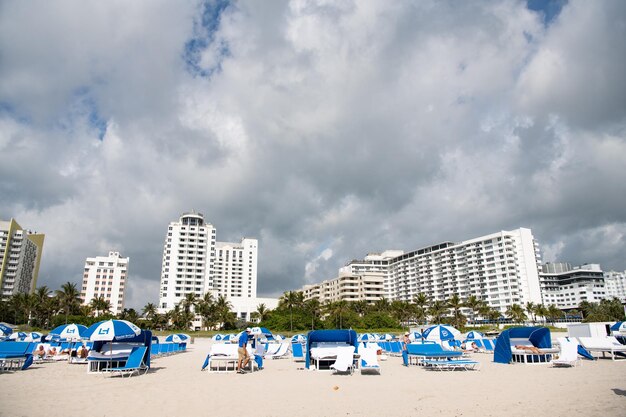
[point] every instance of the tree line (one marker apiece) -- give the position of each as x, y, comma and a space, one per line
46, 309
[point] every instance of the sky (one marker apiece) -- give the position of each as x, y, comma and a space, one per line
325, 129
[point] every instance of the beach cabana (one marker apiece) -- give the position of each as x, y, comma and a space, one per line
538, 337
336, 337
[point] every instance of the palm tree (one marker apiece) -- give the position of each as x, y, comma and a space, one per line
262, 312
541, 311
223, 313
516, 312
382, 305
401, 311
421, 302
189, 302
473, 303
360, 307
455, 303
337, 309
42, 305
100, 304
129, 314
207, 309
438, 310
69, 298
149, 311
289, 300
553, 313
531, 308
314, 308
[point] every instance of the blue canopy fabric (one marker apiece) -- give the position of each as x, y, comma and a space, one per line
6, 330
339, 336
538, 336
620, 326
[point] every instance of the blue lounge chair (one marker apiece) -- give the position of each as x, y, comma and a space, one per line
135, 363
422, 352
450, 364
297, 352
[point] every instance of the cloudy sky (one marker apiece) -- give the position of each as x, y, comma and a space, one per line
326, 129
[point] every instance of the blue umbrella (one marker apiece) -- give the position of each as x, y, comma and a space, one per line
177, 338
298, 338
441, 332
69, 331
413, 336
4, 329
620, 326
112, 330
366, 337
473, 335
18, 336
218, 337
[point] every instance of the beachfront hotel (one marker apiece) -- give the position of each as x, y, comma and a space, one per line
106, 276
20, 256
615, 283
566, 286
194, 262
500, 268
347, 287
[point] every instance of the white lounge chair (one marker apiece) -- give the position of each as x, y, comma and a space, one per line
369, 360
569, 353
345, 360
282, 352
604, 345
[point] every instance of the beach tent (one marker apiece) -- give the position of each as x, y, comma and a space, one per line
440, 332
538, 336
337, 336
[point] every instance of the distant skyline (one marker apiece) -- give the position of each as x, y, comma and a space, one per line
326, 130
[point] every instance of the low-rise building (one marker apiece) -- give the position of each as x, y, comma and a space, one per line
347, 287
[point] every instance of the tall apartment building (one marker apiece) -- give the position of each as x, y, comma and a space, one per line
501, 269
106, 276
615, 284
195, 262
188, 259
20, 254
347, 288
566, 286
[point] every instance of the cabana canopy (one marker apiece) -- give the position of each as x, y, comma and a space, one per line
329, 336
538, 336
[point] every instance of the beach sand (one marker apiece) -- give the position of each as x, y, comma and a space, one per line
175, 386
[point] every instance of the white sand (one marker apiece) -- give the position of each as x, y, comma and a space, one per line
176, 387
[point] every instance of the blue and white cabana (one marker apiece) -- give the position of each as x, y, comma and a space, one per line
320, 336
112, 330
69, 331
539, 337
441, 332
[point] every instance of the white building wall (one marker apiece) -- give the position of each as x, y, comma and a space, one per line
106, 276
615, 283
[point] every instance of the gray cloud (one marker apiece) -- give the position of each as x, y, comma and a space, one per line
325, 130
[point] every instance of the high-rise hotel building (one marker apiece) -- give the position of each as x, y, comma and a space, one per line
20, 256
106, 276
195, 262
501, 269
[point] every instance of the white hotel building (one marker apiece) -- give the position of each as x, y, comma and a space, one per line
106, 276
195, 262
501, 269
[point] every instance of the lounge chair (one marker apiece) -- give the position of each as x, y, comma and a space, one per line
282, 351
297, 352
135, 363
420, 352
608, 344
451, 364
345, 360
569, 353
369, 360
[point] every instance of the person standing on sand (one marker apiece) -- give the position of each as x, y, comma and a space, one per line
242, 351
405, 352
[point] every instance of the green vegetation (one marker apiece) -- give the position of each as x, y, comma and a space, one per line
44, 309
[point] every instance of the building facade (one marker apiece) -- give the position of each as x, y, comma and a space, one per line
20, 257
347, 287
501, 269
195, 262
615, 284
106, 276
566, 286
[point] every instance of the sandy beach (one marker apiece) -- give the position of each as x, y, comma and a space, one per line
175, 386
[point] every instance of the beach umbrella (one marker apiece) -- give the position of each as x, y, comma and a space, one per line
21, 336
366, 337
218, 337
178, 338
5, 330
413, 336
260, 331
112, 330
441, 332
620, 326
473, 335
298, 338
70, 331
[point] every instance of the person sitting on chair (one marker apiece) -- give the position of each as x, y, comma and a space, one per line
52, 351
40, 352
531, 349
